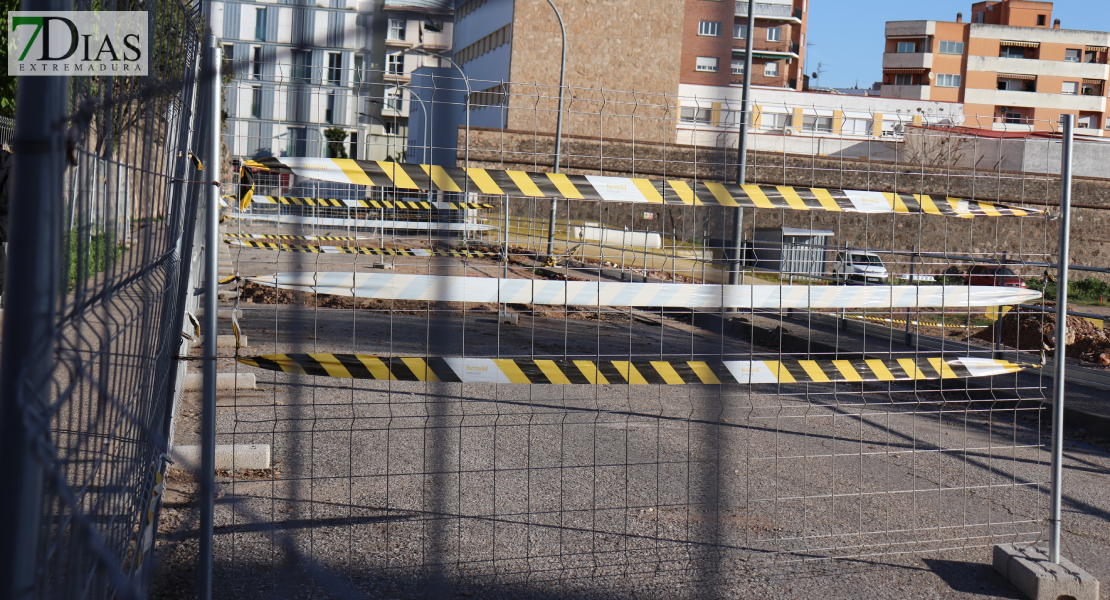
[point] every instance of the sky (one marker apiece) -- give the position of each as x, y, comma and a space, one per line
848, 42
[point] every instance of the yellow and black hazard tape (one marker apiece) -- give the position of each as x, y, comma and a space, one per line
903, 322
634, 372
627, 189
321, 238
357, 250
362, 203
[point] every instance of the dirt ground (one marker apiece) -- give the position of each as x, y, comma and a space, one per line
1037, 331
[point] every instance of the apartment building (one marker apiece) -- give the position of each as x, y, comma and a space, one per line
1012, 66
299, 74
714, 42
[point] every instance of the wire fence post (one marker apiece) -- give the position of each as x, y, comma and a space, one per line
558, 125
211, 73
1059, 368
27, 364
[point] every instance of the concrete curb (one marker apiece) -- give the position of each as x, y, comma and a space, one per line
228, 456
228, 341
224, 381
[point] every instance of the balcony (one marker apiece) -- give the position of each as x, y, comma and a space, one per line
767, 10
908, 60
1025, 66
908, 92
774, 50
1072, 102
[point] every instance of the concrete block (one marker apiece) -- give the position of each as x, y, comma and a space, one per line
507, 318
227, 294
382, 265
228, 456
224, 381
228, 341
222, 313
1028, 569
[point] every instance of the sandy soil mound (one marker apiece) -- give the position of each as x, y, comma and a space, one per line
1035, 331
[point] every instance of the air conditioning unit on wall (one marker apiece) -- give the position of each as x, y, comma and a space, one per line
789, 130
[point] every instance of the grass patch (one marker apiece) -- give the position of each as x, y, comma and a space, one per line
1088, 292
95, 254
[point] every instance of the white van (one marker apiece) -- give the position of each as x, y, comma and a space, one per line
860, 267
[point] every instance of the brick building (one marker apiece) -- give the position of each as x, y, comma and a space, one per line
714, 41
1012, 67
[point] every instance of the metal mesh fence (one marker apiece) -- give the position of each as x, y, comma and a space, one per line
101, 428
449, 406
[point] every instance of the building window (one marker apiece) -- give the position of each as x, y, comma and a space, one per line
227, 65
690, 114
256, 102
712, 28
1071, 55
1107, 123
946, 80
358, 69
390, 128
396, 29
737, 66
335, 68
296, 145
1092, 89
260, 24
947, 47
980, 17
856, 127
907, 47
1085, 122
302, 61
774, 34
817, 124
393, 99
354, 145
329, 109
395, 63
774, 120
771, 69
489, 43
1042, 20
1012, 52
740, 32
1012, 118
1071, 88
707, 64
1090, 57
905, 79
256, 62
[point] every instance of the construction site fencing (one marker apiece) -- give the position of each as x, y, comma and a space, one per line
475, 372
91, 364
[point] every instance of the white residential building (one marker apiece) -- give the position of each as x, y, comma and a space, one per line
300, 70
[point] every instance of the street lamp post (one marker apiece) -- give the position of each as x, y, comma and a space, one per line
558, 125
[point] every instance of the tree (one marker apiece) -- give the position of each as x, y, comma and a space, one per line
336, 136
7, 82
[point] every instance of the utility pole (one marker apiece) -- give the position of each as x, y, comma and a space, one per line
742, 151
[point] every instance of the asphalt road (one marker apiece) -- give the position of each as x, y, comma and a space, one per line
427, 490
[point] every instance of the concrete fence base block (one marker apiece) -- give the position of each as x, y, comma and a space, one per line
507, 318
228, 341
381, 265
222, 313
224, 381
227, 294
1028, 569
228, 456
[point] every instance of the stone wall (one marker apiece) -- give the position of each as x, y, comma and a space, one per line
611, 45
1033, 237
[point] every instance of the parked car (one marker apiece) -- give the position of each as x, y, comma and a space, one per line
861, 267
993, 275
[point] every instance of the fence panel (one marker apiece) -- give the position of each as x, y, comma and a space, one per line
449, 407
103, 437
